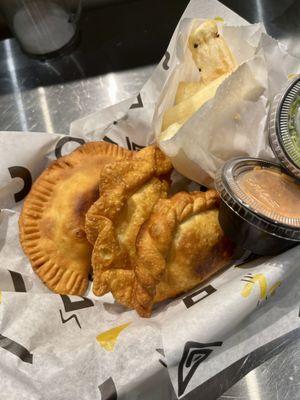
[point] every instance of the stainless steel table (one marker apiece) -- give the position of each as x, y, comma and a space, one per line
28, 103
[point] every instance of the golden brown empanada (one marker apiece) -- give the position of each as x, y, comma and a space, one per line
129, 190
52, 220
179, 246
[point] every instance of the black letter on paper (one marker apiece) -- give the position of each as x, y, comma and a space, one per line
63, 141
190, 300
23, 173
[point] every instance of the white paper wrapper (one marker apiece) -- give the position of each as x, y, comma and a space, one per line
55, 347
234, 122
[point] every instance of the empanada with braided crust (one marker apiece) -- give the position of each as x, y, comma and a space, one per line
179, 246
52, 220
129, 190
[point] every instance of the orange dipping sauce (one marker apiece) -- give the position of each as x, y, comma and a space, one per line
272, 192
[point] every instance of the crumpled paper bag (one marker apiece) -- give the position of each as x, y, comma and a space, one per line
234, 122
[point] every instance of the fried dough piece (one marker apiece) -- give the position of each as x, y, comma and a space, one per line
179, 246
169, 132
181, 112
215, 61
210, 52
129, 190
186, 90
52, 220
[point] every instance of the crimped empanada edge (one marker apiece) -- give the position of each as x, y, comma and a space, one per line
34, 205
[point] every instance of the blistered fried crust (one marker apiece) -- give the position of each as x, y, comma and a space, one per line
52, 220
179, 246
210, 52
129, 190
119, 181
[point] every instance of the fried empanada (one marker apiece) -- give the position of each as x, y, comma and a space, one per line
129, 190
52, 220
179, 246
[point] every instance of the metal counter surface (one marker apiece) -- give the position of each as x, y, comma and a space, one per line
27, 103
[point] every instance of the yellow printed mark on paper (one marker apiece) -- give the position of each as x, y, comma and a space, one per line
292, 76
261, 280
274, 287
108, 339
219, 19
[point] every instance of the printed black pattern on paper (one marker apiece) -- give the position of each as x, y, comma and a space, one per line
25, 175
161, 352
74, 305
194, 354
133, 146
138, 104
18, 281
60, 144
73, 316
16, 349
166, 61
193, 298
108, 390
108, 140
137, 147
